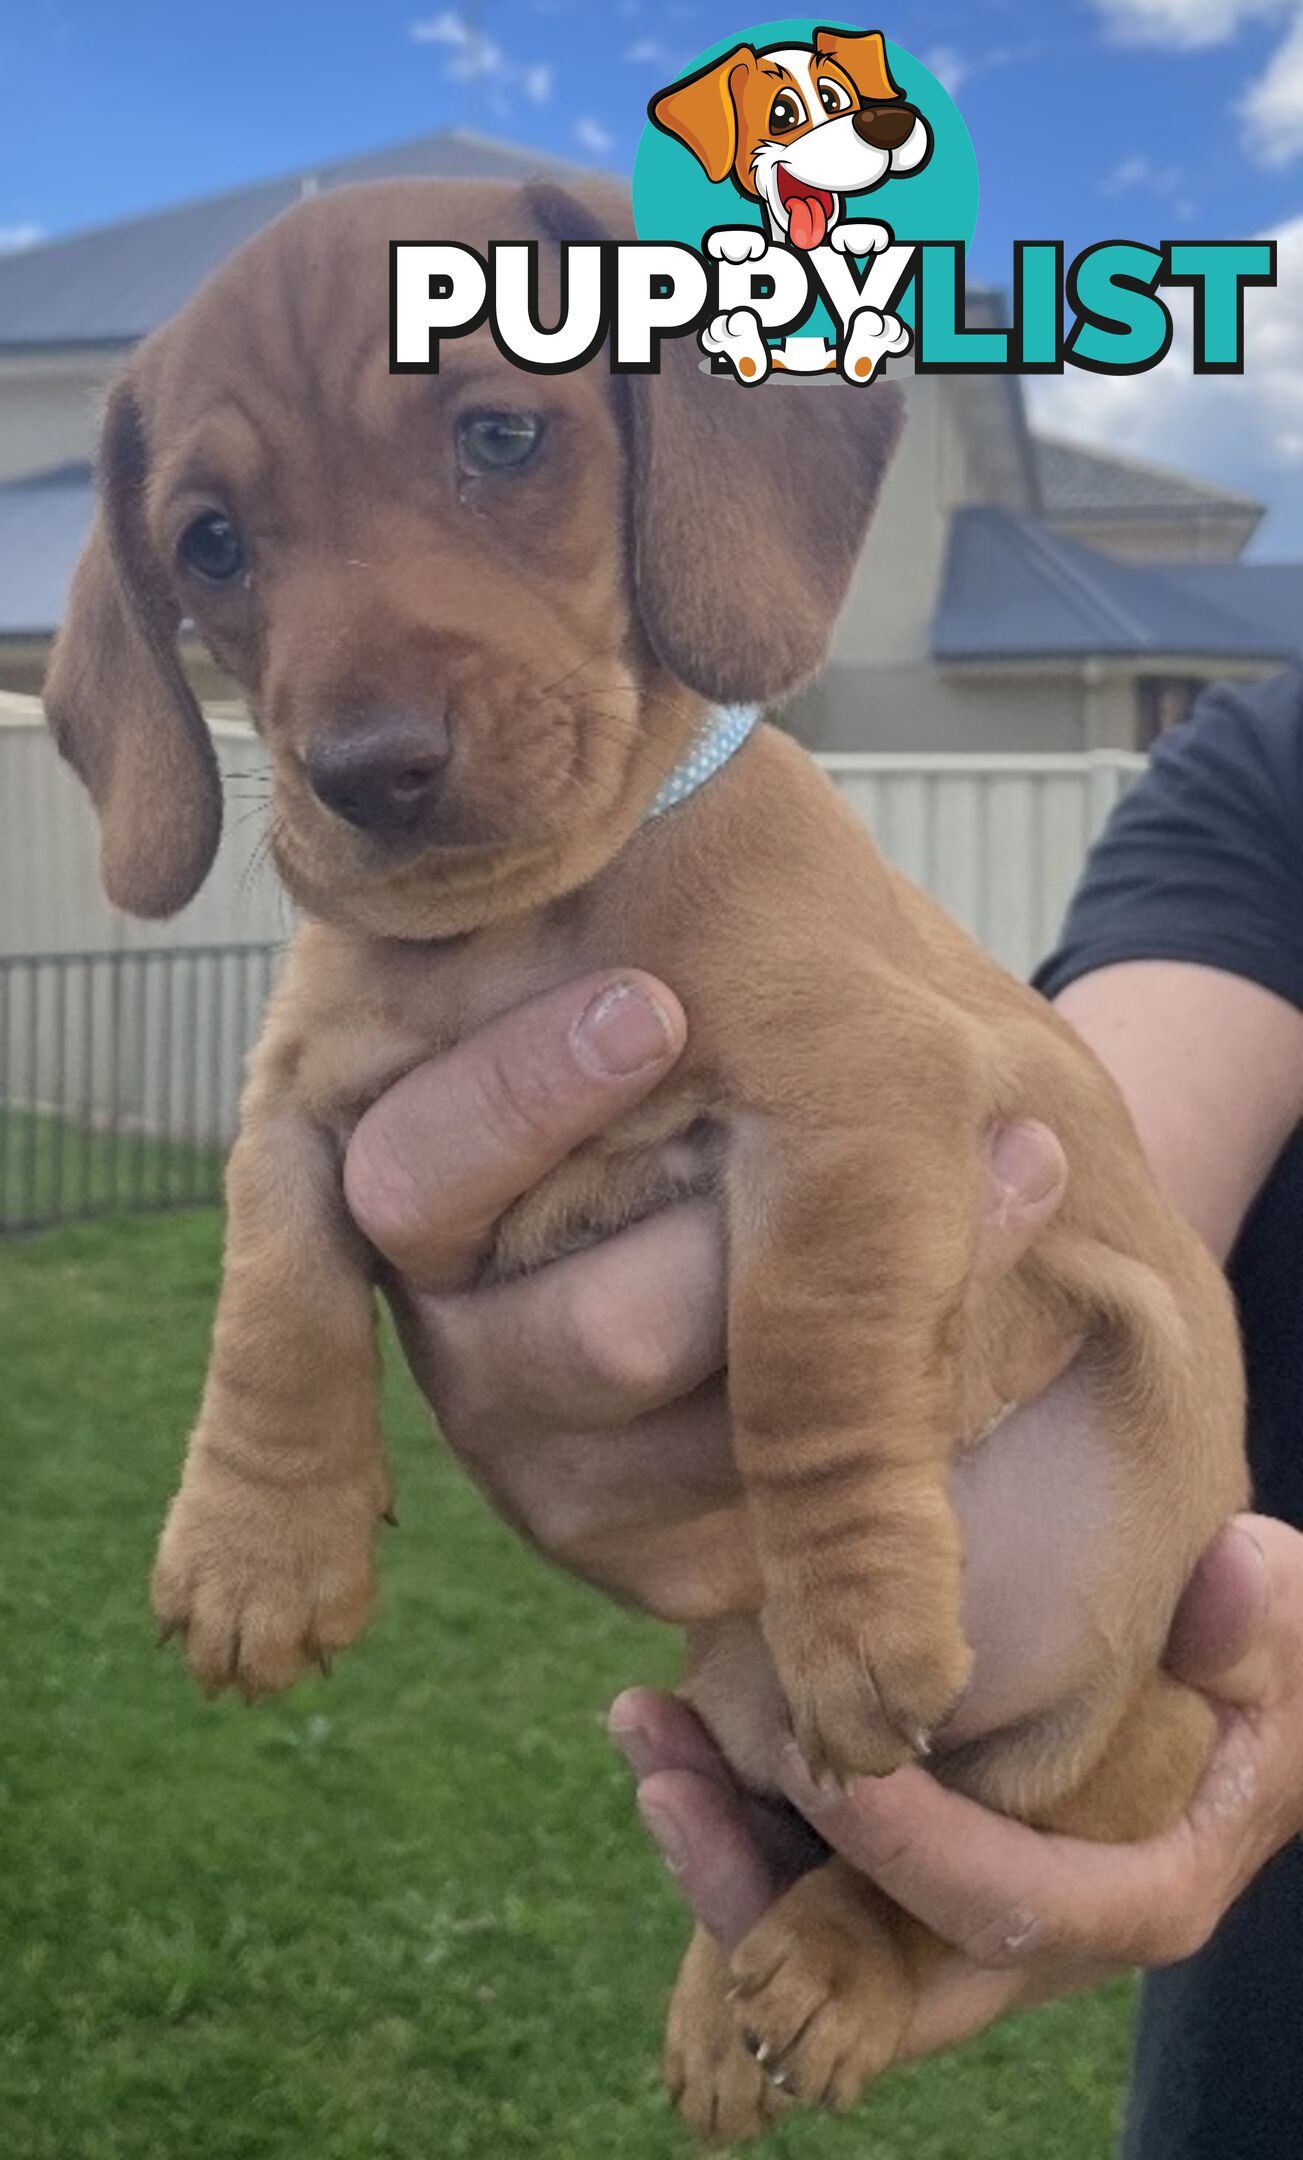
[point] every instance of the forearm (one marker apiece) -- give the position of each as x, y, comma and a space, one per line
1211, 1067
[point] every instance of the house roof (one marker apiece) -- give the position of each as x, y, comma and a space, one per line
114, 284
43, 522
1080, 482
1013, 589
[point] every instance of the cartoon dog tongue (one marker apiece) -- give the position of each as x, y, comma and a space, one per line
807, 221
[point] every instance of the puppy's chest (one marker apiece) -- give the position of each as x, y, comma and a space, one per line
668, 1148
665, 1152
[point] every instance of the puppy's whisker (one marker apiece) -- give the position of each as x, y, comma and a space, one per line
591, 660
258, 859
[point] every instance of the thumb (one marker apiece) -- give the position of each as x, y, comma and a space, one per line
1027, 1177
436, 1161
1221, 1640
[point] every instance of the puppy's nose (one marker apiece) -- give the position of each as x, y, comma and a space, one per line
886, 127
382, 775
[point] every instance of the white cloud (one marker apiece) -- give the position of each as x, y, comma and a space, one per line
1139, 175
1128, 173
14, 238
647, 53
473, 54
1245, 431
591, 135
953, 68
445, 29
1272, 109
1186, 25
948, 65
476, 58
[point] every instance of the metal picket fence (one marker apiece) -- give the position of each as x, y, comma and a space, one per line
120, 1076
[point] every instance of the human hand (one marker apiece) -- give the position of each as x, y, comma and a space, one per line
1029, 1916
588, 1400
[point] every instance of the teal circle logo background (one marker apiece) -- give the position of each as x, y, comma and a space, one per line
674, 200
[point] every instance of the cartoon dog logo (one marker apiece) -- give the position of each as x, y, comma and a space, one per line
798, 128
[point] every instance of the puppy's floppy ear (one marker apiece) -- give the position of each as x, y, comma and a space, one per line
702, 111
864, 58
118, 703
750, 505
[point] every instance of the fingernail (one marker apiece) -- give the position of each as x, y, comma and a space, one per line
635, 1746
794, 1772
668, 1834
1025, 1165
623, 1031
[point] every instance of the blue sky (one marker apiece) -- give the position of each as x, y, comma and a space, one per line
1092, 119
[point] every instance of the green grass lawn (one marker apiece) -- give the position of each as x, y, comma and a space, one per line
406, 1914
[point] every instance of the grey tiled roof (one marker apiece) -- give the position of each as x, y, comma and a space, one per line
1015, 590
43, 522
114, 284
1092, 483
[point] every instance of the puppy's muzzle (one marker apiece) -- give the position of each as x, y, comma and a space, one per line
885, 127
382, 774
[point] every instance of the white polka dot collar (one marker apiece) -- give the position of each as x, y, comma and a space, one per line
722, 733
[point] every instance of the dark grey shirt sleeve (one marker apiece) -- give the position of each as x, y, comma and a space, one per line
1203, 860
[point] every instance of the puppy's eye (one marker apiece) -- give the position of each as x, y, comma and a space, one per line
787, 112
212, 548
834, 96
490, 442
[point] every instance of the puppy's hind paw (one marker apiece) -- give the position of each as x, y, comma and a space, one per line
738, 338
820, 1994
871, 339
718, 2087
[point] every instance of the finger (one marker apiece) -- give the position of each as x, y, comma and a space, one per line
708, 1843
1008, 1896
1027, 1178
596, 1341
439, 1158
957, 2001
1222, 1639
659, 1732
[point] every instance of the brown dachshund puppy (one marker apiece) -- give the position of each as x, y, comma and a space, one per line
479, 616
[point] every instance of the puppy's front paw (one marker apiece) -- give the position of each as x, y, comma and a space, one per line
860, 239
264, 1580
719, 2089
865, 1693
820, 1994
736, 244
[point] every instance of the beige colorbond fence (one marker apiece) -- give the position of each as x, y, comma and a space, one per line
122, 1044
999, 841
50, 898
